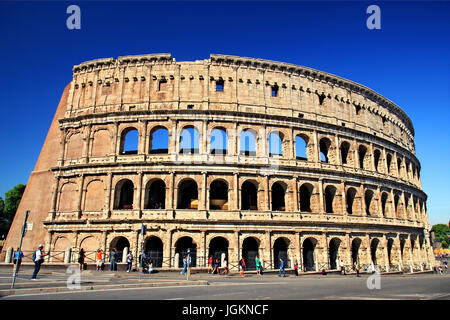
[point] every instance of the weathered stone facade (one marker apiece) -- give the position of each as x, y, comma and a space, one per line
354, 195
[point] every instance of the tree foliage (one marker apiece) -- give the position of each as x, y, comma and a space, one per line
8, 207
442, 234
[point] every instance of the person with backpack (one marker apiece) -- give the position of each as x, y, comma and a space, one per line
38, 259
129, 261
184, 271
81, 258
282, 268
341, 264
18, 255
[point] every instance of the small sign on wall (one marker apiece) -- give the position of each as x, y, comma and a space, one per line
29, 226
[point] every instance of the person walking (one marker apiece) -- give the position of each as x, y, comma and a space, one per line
99, 259
18, 255
210, 264
81, 257
258, 266
113, 264
357, 269
184, 266
342, 267
282, 268
38, 259
242, 265
296, 267
225, 267
129, 261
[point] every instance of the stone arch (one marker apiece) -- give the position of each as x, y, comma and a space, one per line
250, 249
187, 194
154, 248
308, 254
89, 244
249, 195
129, 141
155, 194
377, 162
181, 247
369, 198
384, 202
351, 198
281, 250
159, 140
120, 243
374, 250
124, 195
333, 252
248, 142
94, 196
278, 192
346, 154
389, 163
390, 246
60, 245
356, 245
326, 150
301, 147
275, 142
101, 143
363, 155
218, 195
218, 142
68, 197
306, 197
330, 201
75, 146
189, 140
218, 246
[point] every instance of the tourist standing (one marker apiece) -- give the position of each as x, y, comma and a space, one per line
38, 259
129, 261
296, 267
282, 268
357, 269
18, 255
258, 266
113, 264
99, 259
225, 267
184, 266
81, 257
342, 267
210, 264
242, 265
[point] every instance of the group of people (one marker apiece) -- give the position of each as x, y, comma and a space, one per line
214, 266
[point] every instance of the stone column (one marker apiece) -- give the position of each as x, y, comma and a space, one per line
109, 204
321, 197
338, 151
86, 144
386, 168
385, 252
55, 198
116, 140
80, 195
170, 192
204, 142
355, 150
266, 252
143, 144
203, 202
267, 203
379, 204
363, 201
9, 255
295, 207
139, 195
344, 199
236, 205
316, 147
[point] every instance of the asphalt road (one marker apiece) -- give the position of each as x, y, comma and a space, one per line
252, 287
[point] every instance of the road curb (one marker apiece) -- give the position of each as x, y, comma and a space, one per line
9, 292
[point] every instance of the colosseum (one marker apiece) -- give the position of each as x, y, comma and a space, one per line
228, 157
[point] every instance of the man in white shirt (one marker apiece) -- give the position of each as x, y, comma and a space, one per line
342, 267
38, 259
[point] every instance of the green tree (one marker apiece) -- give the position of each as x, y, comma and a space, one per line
12, 200
442, 234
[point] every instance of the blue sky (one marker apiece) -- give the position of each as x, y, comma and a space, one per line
406, 61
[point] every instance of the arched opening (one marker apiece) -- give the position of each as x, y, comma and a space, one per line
218, 195
305, 197
249, 196
308, 255
156, 195
218, 141
324, 146
402, 250
250, 249
399, 166
362, 151
278, 193
333, 251
368, 196
248, 142
218, 249
389, 162
351, 195
183, 246
120, 243
330, 192
280, 251
396, 202
159, 141
129, 141
345, 148
390, 245
187, 195
376, 155
384, 198
189, 141
373, 250
275, 144
356, 244
301, 144
153, 249
124, 195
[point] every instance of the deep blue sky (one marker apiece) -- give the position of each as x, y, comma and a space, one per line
406, 61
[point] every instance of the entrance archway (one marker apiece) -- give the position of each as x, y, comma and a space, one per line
120, 243
153, 249
182, 246
280, 250
308, 255
356, 243
334, 253
373, 250
250, 249
217, 247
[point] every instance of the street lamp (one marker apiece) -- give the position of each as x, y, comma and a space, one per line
27, 213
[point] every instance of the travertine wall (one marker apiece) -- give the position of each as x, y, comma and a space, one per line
366, 187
